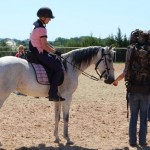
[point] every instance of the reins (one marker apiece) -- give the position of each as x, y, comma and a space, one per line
83, 72
96, 65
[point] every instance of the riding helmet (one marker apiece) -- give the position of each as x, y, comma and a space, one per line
45, 12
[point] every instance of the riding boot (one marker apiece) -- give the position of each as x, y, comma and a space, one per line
53, 94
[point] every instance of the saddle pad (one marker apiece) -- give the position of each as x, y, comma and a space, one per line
41, 74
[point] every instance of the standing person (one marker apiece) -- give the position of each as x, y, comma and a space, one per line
138, 98
45, 52
137, 77
21, 52
139, 103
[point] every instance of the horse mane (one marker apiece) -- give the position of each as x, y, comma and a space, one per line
79, 56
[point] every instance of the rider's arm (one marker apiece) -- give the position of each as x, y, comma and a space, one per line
46, 46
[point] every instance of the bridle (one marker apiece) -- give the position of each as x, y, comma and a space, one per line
99, 61
96, 67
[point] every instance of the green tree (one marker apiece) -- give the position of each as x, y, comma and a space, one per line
60, 42
118, 38
90, 41
125, 42
5, 50
2, 43
109, 41
74, 42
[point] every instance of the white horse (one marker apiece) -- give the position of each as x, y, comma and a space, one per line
18, 74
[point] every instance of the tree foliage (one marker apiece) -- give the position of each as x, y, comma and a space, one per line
117, 40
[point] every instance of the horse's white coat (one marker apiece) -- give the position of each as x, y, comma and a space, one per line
18, 74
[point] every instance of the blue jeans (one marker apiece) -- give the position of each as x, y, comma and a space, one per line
139, 103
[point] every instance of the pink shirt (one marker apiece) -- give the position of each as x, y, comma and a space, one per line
35, 37
17, 54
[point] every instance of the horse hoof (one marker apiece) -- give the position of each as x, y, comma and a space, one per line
69, 143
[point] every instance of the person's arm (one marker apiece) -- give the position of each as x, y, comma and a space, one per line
120, 77
50, 44
46, 46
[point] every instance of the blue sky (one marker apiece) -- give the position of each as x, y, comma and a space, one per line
75, 18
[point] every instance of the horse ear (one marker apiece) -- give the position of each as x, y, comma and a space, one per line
110, 48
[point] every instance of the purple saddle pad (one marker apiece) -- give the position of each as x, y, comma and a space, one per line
41, 74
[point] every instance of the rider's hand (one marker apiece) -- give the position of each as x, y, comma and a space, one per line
58, 53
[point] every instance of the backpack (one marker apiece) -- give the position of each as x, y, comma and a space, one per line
137, 65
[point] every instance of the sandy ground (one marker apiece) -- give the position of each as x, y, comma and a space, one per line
97, 119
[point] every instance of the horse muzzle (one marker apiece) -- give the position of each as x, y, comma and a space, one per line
109, 80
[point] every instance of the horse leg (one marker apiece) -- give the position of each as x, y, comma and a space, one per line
66, 108
57, 119
3, 97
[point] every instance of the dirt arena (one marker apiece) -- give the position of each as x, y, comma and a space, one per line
97, 119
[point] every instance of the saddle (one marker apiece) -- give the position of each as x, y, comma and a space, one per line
43, 75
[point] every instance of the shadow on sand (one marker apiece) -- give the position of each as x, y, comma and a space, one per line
61, 147
135, 148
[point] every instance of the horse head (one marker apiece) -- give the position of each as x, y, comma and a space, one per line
104, 64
